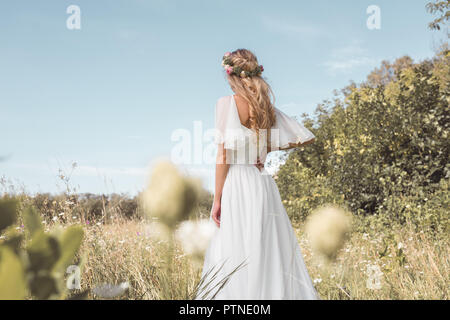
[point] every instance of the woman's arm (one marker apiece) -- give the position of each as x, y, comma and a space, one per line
221, 174
296, 145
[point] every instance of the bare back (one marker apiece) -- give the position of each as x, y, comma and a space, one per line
243, 110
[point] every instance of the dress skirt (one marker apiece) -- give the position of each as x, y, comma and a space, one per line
256, 234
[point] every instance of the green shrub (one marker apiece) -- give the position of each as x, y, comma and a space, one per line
382, 147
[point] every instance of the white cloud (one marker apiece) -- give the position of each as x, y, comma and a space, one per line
345, 59
291, 28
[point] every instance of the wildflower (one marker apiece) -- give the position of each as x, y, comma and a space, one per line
194, 237
400, 246
327, 229
318, 280
55, 218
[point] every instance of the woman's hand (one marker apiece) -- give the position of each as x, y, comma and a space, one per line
216, 213
259, 164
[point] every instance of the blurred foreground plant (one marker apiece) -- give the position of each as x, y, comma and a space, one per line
33, 263
170, 199
327, 229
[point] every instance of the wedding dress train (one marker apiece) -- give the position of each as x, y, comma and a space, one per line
255, 232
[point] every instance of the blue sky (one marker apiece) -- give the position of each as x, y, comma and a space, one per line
110, 95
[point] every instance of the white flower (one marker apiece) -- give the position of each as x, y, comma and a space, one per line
318, 280
55, 218
194, 237
400, 246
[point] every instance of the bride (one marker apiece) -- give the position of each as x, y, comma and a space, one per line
254, 242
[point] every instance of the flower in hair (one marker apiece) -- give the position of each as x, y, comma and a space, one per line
227, 64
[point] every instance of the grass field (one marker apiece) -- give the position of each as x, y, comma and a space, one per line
412, 264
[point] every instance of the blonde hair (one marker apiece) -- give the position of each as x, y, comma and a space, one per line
254, 89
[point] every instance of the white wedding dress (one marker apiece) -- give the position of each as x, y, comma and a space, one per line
255, 230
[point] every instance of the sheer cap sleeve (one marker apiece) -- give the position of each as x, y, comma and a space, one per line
229, 129
288, 131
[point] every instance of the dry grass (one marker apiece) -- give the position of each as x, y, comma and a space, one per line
124, 251
420, 270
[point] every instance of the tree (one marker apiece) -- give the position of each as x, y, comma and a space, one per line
381, 147
442, 9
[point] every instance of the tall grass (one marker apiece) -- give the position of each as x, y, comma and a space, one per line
122, 251
126, 251
414, 263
